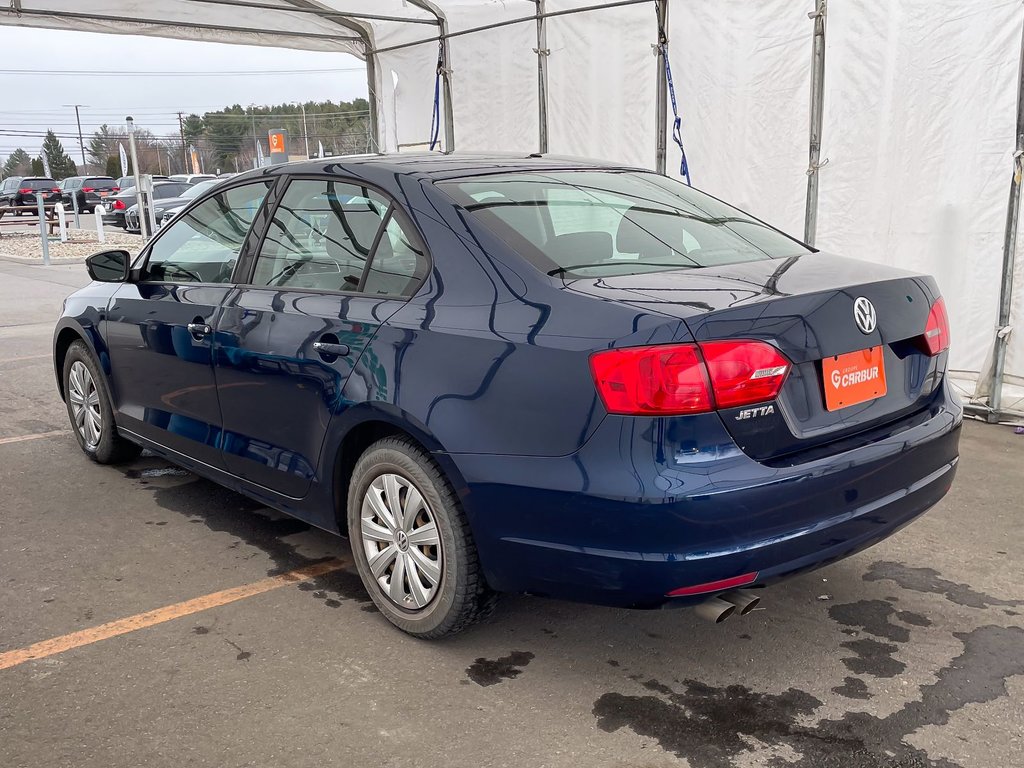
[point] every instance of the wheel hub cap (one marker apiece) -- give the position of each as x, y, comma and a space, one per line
401, 542
85, 404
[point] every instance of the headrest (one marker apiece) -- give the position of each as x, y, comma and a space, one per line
580, 248
643, 230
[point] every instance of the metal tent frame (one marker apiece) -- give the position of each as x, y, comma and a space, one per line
289, 22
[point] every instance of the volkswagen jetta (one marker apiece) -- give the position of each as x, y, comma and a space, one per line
521, 374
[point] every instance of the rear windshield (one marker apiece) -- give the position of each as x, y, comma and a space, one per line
100, 183
603, 223
38, 184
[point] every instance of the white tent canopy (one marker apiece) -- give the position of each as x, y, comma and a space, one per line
919, 128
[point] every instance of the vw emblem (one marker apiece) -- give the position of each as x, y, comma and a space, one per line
402, 540
864, 315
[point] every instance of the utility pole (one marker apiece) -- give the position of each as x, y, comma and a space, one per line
81, 141
305, 132
255, 141
184, 149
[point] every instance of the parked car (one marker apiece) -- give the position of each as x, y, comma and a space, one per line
90, 191
127, 182
131, 216
192, 178
117, 205
18, 191
530, 375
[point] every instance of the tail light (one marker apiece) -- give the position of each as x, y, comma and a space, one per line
744, 372
936, 332
55, 189
688, 378
118, 205
25, 191
115, 190
88, 189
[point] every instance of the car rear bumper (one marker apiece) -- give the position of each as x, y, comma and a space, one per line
651, 505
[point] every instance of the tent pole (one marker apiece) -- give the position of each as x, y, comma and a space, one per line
817, 118
446, 70
371, 93
446, 84
542, 77
661, 97
1009, 251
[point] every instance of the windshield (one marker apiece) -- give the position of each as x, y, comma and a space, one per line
195, 191
603, 223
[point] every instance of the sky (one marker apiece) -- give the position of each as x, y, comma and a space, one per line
32, 102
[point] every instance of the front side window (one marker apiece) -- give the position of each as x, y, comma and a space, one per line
321, 236
603, 223
202, 246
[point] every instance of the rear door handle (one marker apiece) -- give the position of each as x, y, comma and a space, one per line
328, 349
199, 330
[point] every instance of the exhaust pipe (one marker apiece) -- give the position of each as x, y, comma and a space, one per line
716, 610
743, 599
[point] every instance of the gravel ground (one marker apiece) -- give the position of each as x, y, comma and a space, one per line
25, 246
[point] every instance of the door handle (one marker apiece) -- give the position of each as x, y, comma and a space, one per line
328, 349
199, 330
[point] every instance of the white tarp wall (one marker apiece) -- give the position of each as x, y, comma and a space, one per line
920, 111
920, 107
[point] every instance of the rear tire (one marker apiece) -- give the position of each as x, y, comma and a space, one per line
426, 577
89, 409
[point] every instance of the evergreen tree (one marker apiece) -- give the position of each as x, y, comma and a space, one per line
99, 146
113, 167
61, 164
37, 166
193, 129
18, 164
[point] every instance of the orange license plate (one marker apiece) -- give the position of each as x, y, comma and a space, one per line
853, 378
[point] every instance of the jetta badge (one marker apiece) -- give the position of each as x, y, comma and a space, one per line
864, 315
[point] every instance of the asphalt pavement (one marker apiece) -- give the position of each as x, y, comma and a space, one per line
151, 618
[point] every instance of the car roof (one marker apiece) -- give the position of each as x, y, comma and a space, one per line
437, 166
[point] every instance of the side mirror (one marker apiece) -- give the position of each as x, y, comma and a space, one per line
109, 266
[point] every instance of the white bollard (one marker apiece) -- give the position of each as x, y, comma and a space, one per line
62, 222
99, 211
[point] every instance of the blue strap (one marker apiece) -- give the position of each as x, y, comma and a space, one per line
435, 120
677, 122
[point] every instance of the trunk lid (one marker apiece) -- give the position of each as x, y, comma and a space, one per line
804, 306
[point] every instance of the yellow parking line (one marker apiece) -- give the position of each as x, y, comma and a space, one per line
92, 635
37, 436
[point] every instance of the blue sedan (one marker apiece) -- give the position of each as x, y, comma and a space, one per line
521, 374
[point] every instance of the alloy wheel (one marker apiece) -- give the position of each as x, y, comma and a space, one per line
85, 404
401, 541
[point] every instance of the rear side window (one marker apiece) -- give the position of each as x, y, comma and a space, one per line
320, 237
398, 265
605, 223
336, 236
202, 245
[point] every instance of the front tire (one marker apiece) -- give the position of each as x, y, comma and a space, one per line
88, 402
412, 544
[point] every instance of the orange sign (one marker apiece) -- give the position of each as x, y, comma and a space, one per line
276, 143
853, 378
